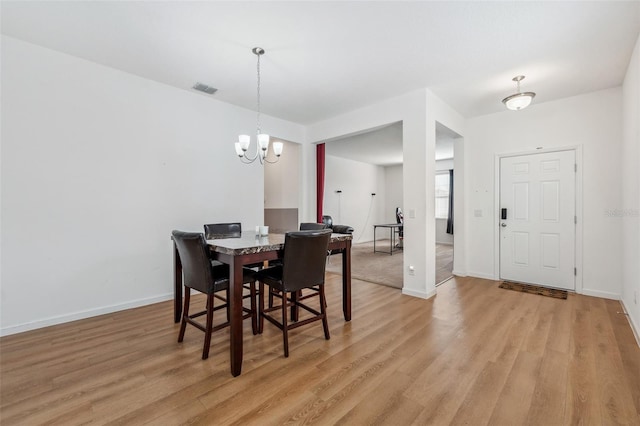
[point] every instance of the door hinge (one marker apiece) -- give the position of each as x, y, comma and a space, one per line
575, 271
575, 167
575, 220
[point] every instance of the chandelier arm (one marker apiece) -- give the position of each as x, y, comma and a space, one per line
271, 162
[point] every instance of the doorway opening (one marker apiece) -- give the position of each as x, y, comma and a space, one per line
444, 201
282, 183
363, 188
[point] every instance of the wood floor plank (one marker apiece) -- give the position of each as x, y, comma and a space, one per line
549, 395
514, 401
473, 354
582, 406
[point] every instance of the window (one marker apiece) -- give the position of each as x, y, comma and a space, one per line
442, 195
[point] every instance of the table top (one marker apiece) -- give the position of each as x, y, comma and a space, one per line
249, 242
388, 225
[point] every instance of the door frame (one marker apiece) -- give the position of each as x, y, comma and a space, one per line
578, 208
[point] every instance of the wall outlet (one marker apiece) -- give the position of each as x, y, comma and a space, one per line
412, 270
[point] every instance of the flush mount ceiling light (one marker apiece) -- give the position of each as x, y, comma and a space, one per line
262, 142
520, 100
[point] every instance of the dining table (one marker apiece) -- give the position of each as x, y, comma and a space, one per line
251, 248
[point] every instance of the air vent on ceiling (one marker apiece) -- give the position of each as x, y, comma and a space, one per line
204, 88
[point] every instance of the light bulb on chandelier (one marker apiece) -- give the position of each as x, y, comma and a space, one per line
262, 142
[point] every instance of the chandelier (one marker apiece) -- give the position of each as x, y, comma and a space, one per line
262, 142
519, 100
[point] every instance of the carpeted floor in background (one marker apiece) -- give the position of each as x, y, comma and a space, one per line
385, 269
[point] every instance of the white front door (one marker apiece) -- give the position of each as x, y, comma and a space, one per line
537, 237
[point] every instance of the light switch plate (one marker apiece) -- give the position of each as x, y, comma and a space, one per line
477, 213
412, 213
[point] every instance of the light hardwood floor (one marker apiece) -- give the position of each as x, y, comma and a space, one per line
474, 354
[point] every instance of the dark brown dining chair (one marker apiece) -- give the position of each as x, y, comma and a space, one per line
303, 267
214, 231
310, 226
201, 275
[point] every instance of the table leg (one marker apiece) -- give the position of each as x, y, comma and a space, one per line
374, 238
235, 302
346, 281
177, 285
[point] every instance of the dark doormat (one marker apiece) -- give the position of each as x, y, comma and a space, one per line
534, 289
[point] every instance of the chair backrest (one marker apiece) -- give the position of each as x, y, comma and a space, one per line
399, 215
310, 226
213, 231
305, 258
194, 256
327, 220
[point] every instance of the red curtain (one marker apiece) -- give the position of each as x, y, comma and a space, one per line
319, 181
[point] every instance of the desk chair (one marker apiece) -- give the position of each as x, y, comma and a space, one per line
201, 275
400, 220
303, 267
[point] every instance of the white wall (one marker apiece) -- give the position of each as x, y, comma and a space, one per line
591, 121
630, 216
393, 193
282, 180
354, 206
98, 166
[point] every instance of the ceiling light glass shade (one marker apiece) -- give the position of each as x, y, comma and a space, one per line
518, 101
244, 141
239, 150
277, 148
263, 141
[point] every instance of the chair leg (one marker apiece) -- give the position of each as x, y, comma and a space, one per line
323, 310
185, 313
209, 327
285, 329
254, 311
260, 308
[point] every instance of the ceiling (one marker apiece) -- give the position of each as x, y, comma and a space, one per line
326, 58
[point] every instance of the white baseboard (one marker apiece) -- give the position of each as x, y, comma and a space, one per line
33, 325
459, 273
420, 294
601, 294
444, 243
634, 327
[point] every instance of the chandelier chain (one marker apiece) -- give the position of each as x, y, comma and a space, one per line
258, 101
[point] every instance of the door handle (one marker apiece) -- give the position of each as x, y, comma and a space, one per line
504, 225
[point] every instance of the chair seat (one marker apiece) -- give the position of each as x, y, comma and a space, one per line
271, 276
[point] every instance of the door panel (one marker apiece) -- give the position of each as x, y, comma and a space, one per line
537, 239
